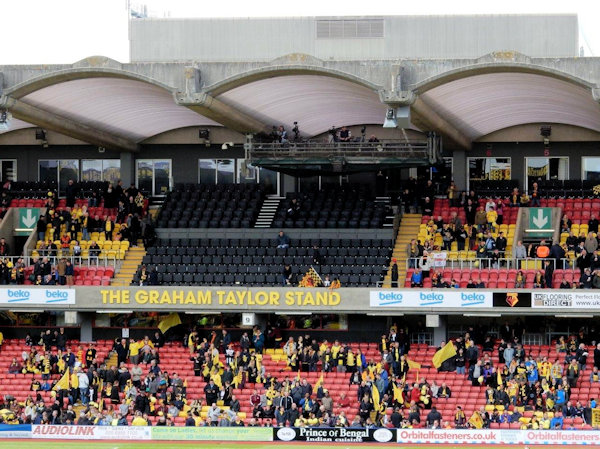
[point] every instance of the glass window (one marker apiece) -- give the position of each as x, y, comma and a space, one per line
590, 167
489, 169
537, 167
67, 169
544, 168
48, 171
162, 177
268, 179
144, 175
314, 321
151, 320
153, 176
330, 181
246, 172
111, 170
308, 183
8, 170
207, 171
91, 170
225, 171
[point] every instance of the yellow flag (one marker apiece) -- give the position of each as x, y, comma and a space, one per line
168, 322
375, 398
258, 358
63, 383
397, 394
499, 378
319, 382
444, 354
311, 279
475, 420
413, 365
595, 417
298, 376
237, 380
217, 380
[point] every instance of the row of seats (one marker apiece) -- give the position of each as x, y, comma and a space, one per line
175, 358
441, 207
496, 277
566, 188
259, 262
176, 245
335, 270
211, 206
265, 260
84, 271
40, 189
331, 207
193, 223
493, 187
330, 224
250, 280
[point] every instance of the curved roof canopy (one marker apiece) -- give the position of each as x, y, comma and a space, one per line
130, 108
316, 102
481, 104
465, 105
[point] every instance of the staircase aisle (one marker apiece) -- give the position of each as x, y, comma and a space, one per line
409, 229
267, 212
129, 266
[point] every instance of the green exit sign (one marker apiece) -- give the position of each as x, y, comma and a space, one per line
540, 221
28, 218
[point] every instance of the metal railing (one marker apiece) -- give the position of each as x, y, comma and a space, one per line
385, 149
100, 261
533, 339
422, 338
489, 264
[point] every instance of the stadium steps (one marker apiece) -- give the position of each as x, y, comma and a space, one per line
267, 212
389, 218
133, 259
111, 359
409, 229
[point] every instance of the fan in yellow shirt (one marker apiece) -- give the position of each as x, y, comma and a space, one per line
139, 420
134, 351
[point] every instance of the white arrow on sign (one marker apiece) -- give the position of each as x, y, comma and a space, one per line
29, 220
541, 220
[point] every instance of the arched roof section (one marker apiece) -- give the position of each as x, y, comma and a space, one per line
110, 100
479, 101
285, 70
488, 68
317, 101
61, 76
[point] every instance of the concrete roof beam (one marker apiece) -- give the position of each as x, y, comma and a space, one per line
214, 109
66, 126
427, 119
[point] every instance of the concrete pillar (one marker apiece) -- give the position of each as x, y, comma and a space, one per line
288, 184
85, 326
127, 168
459, 169
440, 332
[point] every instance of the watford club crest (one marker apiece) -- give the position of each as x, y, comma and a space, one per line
512, 299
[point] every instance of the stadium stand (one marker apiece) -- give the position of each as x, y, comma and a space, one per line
259, 262
211, 206
332, 207
327, 387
